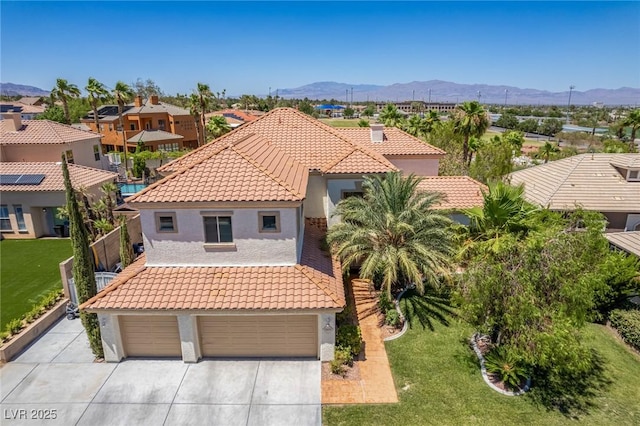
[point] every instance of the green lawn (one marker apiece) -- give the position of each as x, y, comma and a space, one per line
28, 271
340, 122
439, 383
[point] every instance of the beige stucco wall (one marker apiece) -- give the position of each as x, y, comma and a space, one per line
425, 166
82, 153
250, 247
316, 202
335, 187
633, 222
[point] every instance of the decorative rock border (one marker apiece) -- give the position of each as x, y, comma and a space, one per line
31, 332
483, 369
405, 326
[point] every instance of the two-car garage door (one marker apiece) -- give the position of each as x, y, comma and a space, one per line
259, 336
223, 336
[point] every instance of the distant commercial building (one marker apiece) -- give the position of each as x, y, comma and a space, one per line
409, 106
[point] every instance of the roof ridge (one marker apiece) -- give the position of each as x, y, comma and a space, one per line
266, 171
53, 124
566, 177
129, 272
318, 283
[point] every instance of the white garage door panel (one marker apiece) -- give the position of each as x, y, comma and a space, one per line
152, 336
266, 336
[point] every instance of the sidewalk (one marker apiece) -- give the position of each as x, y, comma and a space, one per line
376, 382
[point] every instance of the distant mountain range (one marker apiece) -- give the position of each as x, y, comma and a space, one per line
445, 91
11, 89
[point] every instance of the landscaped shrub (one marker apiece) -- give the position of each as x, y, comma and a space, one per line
344, 317
384, 303
342, 357
506, 366
628, 325
349, 337
4, 335
392, 318
50, 299
14, 326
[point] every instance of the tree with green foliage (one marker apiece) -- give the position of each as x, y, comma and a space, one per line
122, 94
205, 96
369, 111
126, 249
63, 92
617, 146
493, 160
218, 126
97, 94
444, 136
620, 275
633, 120
83, 268
430, 120
363, 123
507, 121
194, 110
470, 119
349, 112
146, 88
393, 232
139, 161
515, 139
53, 113
306, 107
414, 126
390, 116
529, 125
547, 150
550, 127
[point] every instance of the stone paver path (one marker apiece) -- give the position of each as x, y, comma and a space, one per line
376, 382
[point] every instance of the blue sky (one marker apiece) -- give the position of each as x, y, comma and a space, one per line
246, 47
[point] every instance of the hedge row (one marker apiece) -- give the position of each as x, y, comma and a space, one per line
628, 325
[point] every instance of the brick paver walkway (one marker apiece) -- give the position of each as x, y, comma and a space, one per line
376, 382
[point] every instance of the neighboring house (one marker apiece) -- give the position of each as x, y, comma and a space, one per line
26, 111
32, 193
150, 115
234, 117
44, 140
606, 183
628, 242
461, 192
234, 264
158, 140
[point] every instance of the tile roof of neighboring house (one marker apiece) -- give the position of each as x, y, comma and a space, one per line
315, 283
248, 169
30, 100
589, 180
81, 176
23, 109
312, 143
627, 241
396, 142
149, 108
153, 136
462, 192
43, 132
236, 114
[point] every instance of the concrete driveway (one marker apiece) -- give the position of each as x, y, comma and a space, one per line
55, 382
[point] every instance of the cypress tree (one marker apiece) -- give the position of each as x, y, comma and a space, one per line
83, 269
126, 251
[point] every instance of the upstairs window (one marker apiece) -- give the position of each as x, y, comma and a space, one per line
96, 152
5, 223
634, 175
269, 221
161, 124
17, 208
69, 156
217, 229
166, 222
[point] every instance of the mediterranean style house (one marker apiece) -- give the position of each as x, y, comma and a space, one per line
606, 183
234, 263
158, 125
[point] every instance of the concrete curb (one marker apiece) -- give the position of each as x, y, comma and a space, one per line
31, 332
486, 378
405, 327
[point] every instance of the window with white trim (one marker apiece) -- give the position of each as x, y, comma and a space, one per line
17, 209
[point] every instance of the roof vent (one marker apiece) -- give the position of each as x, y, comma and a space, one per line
377, 133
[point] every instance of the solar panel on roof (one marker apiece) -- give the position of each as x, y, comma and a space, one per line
21, 179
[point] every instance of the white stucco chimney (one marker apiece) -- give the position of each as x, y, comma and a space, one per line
377, 132
12, 121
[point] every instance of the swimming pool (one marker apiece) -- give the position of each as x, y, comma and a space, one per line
127, 189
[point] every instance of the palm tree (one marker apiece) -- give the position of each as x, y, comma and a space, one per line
97, 94
204, 97
392, 232
633, 121
63, 92
123, 94
470, 119
414, 126
109, 188
546, 150
218, 126
430, 120
194, 110
391, 117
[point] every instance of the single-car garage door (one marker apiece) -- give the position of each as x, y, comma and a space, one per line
150, 336
259, 336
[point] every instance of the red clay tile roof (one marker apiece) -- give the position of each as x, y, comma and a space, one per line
315, 283
43, 132
461, 192
248, 169
312, 143
237, 114
396, 142
81, 176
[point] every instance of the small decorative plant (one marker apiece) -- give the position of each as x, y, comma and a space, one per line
384, 303
341, 359
392, 318
506, 366
348, 337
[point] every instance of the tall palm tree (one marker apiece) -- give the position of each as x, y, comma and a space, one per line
109, 189
218, 126
391, 116
63, 92
430, 120
470, 119
414, 126
123, 93
97, 94
546, 150
205, 96
393, 232
194, 110
633, 121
